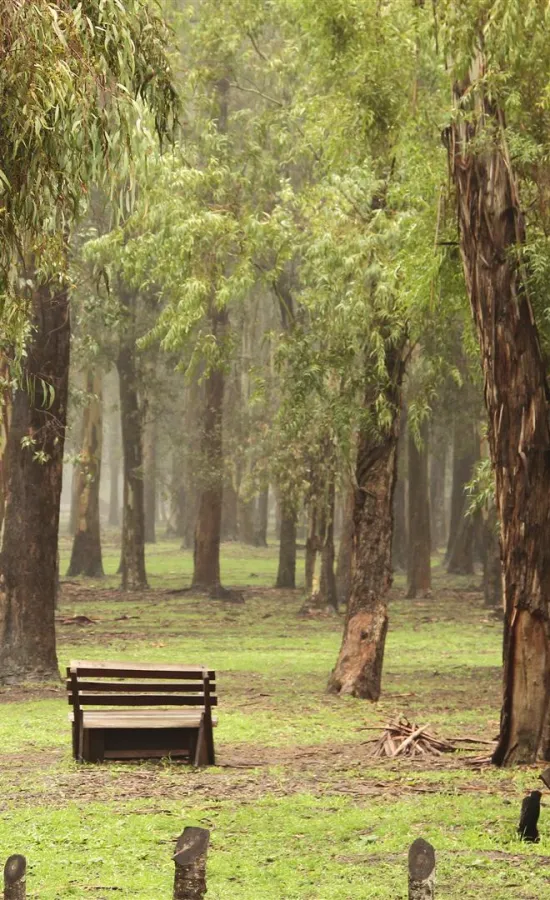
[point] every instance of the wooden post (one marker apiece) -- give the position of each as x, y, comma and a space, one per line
190, 860
421, 871
15, 870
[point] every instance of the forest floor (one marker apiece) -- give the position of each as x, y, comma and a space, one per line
297, 809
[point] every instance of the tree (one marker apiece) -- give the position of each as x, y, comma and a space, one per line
86, 551
62, 128
420, 543
492, 239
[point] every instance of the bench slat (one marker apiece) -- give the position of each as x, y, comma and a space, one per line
136, 670
143, 687
153, 718
140, 700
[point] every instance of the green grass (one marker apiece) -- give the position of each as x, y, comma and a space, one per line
296, 808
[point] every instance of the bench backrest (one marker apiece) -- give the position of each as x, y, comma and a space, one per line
139, 684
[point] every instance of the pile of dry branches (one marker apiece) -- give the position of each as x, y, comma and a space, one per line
403, 738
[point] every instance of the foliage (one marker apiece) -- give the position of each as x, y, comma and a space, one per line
74, 81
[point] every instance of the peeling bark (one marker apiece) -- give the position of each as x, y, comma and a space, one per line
492, 231
358, 670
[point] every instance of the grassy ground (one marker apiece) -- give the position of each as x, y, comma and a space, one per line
296, 807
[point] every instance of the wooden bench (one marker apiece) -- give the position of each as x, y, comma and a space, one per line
137, 731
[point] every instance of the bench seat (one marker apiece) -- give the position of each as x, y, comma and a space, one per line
145, 718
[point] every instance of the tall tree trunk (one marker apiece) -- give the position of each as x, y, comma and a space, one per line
358, 670
150, 475
312, 546
86, 552
132, 560
247, 525
492, 568
419, 576
345, 550
400, 535
114, 469
516, 396
262, 517
286, 573
460, 549
28, 561
230, 511
328, 595
438, 466
206, 573
5, 417
459, 556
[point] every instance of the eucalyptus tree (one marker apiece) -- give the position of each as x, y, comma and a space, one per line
369, 264
498, 139
70, 82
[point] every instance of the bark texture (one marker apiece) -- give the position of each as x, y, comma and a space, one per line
5, 416
438, 467
421, 870
492, 568
28, 560
86, 551
114, 469
150, 475
262, 517
286, 573
190, 862
206, 573
419, 576
15, 878
460, 549
345, 550
132, 561
358, 670
328, 595
516, 396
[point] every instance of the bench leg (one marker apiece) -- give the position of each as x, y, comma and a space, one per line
201, 752
92, 745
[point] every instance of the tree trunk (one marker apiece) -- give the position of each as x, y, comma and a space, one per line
460, 549
327, 585
150, 476
438, 465
5, 417
190, 862
419, 575
400, 536
459, 556
286, 573
86, 553
28, 561
492, 568
358, 670
114, 470
516, 396
247, 527
262, 517
345, 550
312, 546
206, 574
230, 512
132, 560
15, 878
